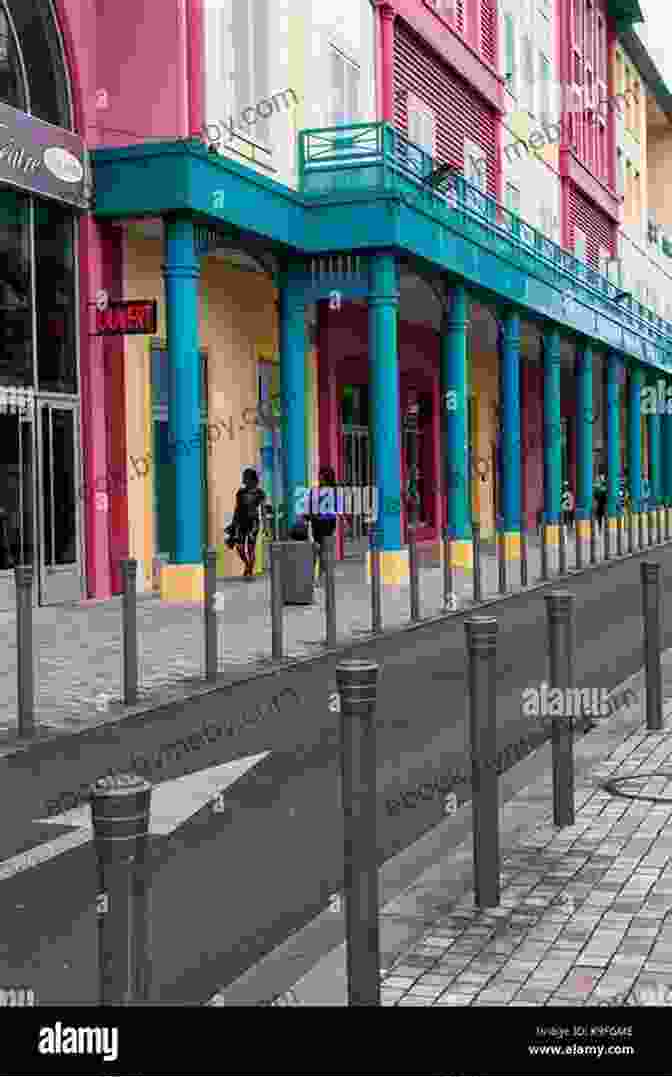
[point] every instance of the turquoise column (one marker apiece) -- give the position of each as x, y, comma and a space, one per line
292, 307
666, 454
653, 430
510, 411
181, 272
454, 407
613, 434
552, 428
384, 396
584, 436
635, 437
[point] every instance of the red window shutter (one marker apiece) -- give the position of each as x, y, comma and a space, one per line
599, 229
459, 110
489, 31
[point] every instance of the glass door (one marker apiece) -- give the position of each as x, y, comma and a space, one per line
58, 459
17, 508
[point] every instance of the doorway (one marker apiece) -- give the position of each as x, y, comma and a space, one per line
58, 457
17, 501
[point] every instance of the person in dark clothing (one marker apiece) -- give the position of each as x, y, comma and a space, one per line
247, 520
323, 523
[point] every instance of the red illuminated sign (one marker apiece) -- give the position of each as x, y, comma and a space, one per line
126, 316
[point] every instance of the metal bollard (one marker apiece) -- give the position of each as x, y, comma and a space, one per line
593, 540
120, 807
560, 619
129, 571
476, 542
449, 602
482, 660
578, 546
413, 573
357, 685
210, 613
376, 592
275, 553
501, 550
523, 556
23, 578
651, 611
329, 547
563, 549
544, 552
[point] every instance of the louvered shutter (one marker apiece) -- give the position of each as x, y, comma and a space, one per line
459, 111
599, 230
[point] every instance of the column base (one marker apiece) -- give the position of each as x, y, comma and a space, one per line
183, 583
512, 545
393, 567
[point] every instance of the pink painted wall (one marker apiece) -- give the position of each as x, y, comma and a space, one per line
150, 63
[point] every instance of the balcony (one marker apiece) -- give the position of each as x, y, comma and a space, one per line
369, 159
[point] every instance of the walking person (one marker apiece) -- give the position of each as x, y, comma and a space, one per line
323, 523
600, 499
244, 528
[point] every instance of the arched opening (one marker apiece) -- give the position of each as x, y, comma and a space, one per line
33, 75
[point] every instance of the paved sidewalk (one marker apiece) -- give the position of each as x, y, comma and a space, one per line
78, 648
586, 912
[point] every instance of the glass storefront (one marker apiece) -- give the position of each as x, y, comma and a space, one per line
40, 458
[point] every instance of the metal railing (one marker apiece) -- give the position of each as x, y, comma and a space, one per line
375, 156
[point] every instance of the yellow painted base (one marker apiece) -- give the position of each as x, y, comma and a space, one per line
461, 554
512, 545
583, 529
393, 567
552, 534
183, 583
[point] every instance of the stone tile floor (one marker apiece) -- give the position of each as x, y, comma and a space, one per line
585, 916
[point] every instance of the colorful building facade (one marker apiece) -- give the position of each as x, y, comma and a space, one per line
398, 239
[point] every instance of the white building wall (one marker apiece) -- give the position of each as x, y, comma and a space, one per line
298, 38
534, 172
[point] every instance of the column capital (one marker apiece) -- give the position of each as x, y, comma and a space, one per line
180, 270
386, 10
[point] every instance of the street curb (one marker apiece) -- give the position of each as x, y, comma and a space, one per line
317, 950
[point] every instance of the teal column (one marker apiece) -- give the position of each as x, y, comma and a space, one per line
635, 384
292, 307
384, 395
584, 433
455, 411
552, 428
613, 433
510, 412
666, 453
653, 431
181, 272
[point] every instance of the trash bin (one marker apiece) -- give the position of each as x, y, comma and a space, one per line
296, 566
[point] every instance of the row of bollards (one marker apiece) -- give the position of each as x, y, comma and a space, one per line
121, 804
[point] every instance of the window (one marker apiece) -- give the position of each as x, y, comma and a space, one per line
510, 53
544, 89
344, 105
580, 244
512, 198
628, 191
604, 260
528, 73
55, 297
11, 80
547, 221
249, 28
421, 124
620, 174
635, 108
628, 119
636, 200
475, 164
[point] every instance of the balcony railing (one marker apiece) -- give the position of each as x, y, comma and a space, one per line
376, 157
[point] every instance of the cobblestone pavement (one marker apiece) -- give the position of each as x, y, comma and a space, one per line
585, 916
78, 647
